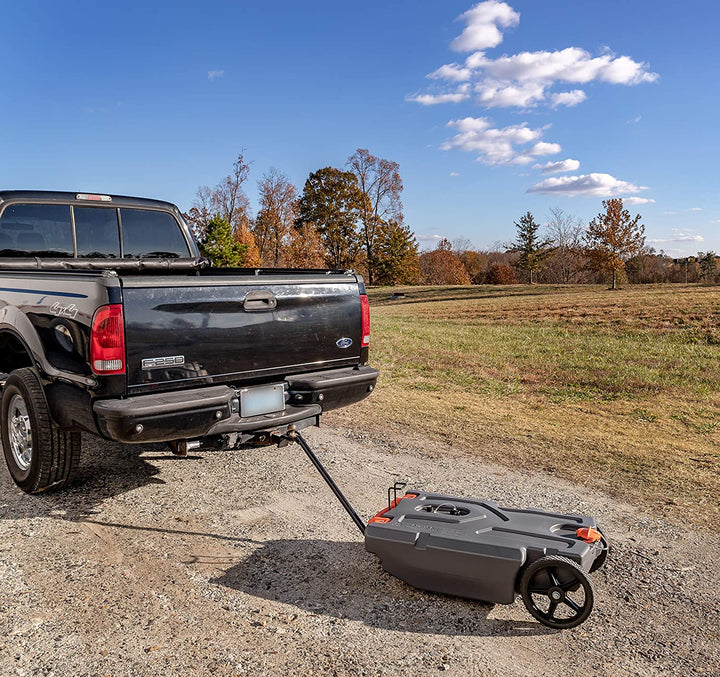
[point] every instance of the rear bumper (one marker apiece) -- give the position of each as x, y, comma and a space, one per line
214, 410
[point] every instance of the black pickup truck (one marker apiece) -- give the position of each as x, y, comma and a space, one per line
112, 324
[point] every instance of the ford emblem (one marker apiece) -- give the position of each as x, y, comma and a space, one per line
343, 342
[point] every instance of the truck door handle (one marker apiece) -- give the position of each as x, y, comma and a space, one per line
260, 300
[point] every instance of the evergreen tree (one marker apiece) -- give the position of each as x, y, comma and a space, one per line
708, 266
533, 251
220, 246
396, 255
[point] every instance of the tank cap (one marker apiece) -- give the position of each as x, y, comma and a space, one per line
588, 534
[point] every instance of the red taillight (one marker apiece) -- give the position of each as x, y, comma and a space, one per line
107, 341
365, 315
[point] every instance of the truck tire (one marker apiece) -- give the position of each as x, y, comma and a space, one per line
39, 455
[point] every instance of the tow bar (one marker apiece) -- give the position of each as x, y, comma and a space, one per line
478, 550
295, 436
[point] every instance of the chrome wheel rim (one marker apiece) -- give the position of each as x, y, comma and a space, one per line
20, 432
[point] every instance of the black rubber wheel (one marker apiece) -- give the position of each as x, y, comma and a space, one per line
38, 454
600, 560
550, 589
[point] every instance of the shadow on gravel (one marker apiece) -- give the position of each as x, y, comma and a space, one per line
342, 580
107, 469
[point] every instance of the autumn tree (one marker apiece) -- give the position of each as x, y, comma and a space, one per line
396, 253
613, 237
220, 246
380, 187
244, 237
304, 248
330, 202
501, 273
475, 264
278, 211
532, 250
441, 266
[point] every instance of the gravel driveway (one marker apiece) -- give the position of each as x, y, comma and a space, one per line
242, 563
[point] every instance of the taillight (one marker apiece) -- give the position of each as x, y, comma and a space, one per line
107, 340
365, 315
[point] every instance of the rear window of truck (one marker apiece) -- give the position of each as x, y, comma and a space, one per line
36, 230
47, 230
147, 233
96, 230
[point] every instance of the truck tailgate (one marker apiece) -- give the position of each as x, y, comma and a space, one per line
212, 329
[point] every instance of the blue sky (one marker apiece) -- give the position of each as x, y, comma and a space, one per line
157, 98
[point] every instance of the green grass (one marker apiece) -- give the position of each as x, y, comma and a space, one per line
622, 385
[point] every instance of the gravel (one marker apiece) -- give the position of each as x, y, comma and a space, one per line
242, 563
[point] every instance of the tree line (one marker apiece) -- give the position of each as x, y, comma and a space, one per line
343, 218
352, 217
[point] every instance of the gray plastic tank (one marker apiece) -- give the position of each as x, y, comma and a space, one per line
479, 550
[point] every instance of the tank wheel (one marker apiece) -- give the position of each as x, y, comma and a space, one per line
557, 592
600, 560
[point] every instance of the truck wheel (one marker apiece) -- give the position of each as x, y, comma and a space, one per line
550, 589
38, 454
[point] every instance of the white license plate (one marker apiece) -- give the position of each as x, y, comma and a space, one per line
262, 400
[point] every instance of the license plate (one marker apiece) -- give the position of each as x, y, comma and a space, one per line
262, 400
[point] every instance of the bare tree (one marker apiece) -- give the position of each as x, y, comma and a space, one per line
380, 185
566, 231
234, 204
278, 211
226, 200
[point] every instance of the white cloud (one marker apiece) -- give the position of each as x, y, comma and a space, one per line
214, 75
428, 238
498, 146
526, 79
454, 174
494, 94
678, 236
483, 20
585, 185
634, 200
691, 209
452, 72
449, 97
635, 120
569, 99
568, 165
571, 64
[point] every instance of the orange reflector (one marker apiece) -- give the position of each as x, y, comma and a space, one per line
378, 520
588, 534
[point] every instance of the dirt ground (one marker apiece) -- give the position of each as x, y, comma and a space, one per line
242, 563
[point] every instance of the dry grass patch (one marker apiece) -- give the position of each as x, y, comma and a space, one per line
615, 389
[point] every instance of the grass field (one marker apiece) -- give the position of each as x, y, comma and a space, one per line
619, 390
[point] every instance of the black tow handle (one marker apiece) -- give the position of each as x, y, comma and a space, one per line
295, 436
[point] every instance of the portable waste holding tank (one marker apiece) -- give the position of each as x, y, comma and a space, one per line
479, 550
